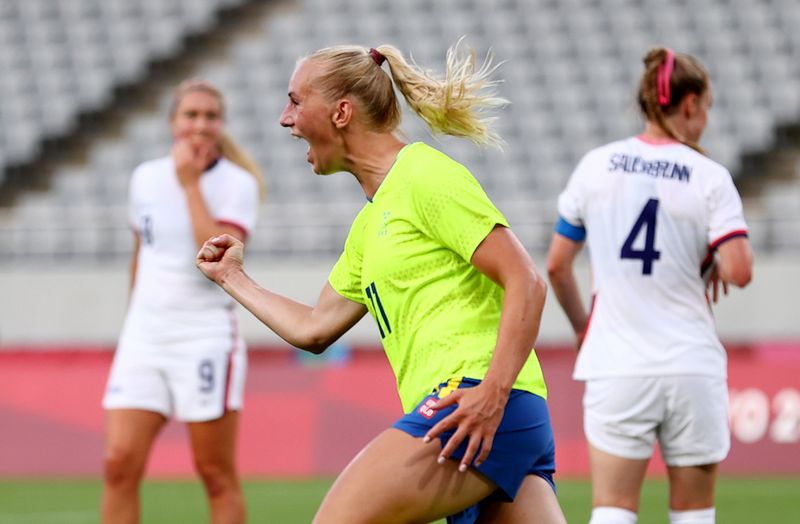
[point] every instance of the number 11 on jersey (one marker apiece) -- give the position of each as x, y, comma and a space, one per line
646, 220
377, 307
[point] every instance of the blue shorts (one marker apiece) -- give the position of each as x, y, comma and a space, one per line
522, 446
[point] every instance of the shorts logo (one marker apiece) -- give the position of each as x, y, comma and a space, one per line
428, 409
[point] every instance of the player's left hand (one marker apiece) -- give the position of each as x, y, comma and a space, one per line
477, 417
713, 285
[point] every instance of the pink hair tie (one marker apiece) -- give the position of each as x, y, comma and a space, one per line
377, 56
664, 74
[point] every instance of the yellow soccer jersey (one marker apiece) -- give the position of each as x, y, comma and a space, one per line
407, 258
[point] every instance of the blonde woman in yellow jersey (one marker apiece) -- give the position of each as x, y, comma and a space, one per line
456, 298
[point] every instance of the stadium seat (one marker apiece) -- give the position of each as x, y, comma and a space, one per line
96, 44
570, 70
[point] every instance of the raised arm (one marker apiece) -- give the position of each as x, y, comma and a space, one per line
312, 328
560, 260
189, 167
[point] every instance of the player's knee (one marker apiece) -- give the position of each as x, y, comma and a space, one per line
695, 516
339, 508
691, 497
358, 517
217, 479
121, 467
612, 515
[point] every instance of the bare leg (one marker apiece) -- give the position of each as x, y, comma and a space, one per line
129, 436
692, 487
535, 503
616, 481
214, 445
396, 479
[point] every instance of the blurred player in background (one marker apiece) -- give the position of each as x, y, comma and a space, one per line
180, 353
658, 215
456, 298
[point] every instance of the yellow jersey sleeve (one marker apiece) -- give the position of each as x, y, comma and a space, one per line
345, 277
454, 209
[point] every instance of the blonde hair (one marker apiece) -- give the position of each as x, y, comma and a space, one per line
227, 146
457, 105
688, 76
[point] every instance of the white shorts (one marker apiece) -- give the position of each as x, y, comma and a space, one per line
194, 382
687, 414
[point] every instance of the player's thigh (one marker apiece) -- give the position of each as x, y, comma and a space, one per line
207, 380
137, 379
535, 503
214, 442
616, 481
129, 436
621, 415
621, 418
695, 430
396, 478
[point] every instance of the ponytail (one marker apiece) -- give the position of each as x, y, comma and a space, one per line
667, 79
458, 105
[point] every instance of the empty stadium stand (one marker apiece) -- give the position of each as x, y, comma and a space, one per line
570, 72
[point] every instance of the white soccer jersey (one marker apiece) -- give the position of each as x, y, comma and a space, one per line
172, 300
652, 214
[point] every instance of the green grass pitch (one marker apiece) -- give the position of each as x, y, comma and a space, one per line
740, 500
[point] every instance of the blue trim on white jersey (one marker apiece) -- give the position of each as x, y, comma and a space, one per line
564, 228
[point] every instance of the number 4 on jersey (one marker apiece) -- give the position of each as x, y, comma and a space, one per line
646, 220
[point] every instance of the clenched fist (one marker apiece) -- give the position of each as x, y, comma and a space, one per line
219, 257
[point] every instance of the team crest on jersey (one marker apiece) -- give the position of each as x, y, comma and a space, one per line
385, 224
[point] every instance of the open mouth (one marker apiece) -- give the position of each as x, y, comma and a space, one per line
308, 150
299, 137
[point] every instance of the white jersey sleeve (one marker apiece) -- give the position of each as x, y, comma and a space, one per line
233, 196
571, 201
726, 218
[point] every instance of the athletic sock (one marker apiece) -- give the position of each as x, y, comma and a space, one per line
611, 515
695, 516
